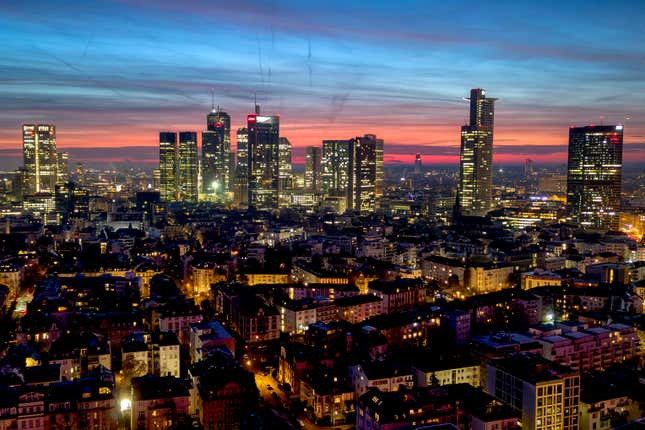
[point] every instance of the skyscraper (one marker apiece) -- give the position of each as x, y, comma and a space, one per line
349, 169
285, 174
336, 164
476, 179
188, 166
362, 186
216, 153
594, 175
40, 158
313, 181
379, 184
264, 160
241, 186
168, 166
417, 164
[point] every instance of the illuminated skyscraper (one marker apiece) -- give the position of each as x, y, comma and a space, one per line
336, 164
168, 166
264, 160
594, 175
284, 171
216, 153
379, 184
241, 185
476, 178
362, 186
417, 164
188, 166
40, 158
349, 169
313, 181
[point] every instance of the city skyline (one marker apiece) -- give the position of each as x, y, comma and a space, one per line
326, 80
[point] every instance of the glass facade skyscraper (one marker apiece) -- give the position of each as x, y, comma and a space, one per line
364, 174
216, 154
241, 181
40, 159
476, 156
263, 156
312, 169
168, 166
285, 168
188, 166
336, 163
594, 175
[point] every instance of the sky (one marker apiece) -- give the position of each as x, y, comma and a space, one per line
112, 74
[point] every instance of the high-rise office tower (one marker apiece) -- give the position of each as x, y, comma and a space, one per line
349, 169
216, 153
241, 185
337, 158
528, 168
476, 178
285, 174
62, 168
264, 160
379, 184
313, 180
168, 166
417, 164
362, 186
40, 158
188, 166
594, 175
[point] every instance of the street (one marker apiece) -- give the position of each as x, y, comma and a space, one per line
282, 403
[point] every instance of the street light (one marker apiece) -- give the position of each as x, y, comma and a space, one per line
126, 404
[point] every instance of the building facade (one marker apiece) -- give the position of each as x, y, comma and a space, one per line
188, 166
168, 166
594, 175
476, 178
216, 154
263, 160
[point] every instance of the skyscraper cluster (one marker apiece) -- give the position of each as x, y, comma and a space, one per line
180, 176
346, 174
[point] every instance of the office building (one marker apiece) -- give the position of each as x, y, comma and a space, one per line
349, 169
594, 175
284, 168
476, 179
188, 166
313, 181
263, 156
168, 166
62, 168
546, 394
379, 179
417, 164
336, 162
40, 159
241, 180
216, 154
362, 186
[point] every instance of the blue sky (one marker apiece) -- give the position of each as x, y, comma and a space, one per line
112, 74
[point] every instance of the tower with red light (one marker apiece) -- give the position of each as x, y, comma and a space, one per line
594, 175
